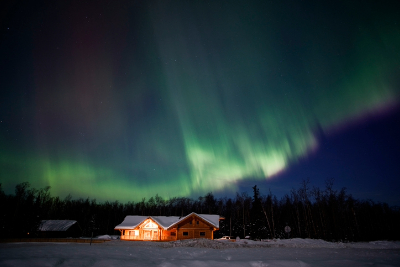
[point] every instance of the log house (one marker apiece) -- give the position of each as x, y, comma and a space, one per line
169, 228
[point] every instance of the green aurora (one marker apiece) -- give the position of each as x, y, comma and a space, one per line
191, 98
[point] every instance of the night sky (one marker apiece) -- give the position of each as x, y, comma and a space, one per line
129, 99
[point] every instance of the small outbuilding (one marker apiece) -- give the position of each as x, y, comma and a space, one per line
59, 228
169, 228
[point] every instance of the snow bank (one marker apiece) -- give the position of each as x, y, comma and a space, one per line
276, 243
201, 252
108, 237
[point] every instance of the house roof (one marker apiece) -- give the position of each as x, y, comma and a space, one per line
211, 218
55, 225
166, 222
131, 221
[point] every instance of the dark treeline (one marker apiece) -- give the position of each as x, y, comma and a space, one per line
310, 213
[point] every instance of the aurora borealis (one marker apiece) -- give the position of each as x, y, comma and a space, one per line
128, 99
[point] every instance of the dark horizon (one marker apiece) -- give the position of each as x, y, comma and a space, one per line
333, 215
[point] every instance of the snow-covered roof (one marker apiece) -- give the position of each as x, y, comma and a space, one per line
165, 222
131, 221
211, 218
55, 225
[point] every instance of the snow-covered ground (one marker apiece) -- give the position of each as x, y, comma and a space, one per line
289, 252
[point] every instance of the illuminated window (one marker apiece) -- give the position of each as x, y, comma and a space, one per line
202, 233
136, 232
185, 233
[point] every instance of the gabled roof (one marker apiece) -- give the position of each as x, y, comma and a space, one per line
55, 225
166, 222
210, 218
131, 221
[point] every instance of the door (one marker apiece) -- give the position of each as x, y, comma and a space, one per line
147, 235
155, 235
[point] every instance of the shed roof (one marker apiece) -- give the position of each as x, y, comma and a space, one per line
55, 225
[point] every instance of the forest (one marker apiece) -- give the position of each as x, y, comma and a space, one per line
310, 212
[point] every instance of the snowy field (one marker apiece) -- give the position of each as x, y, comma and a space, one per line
290, 252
